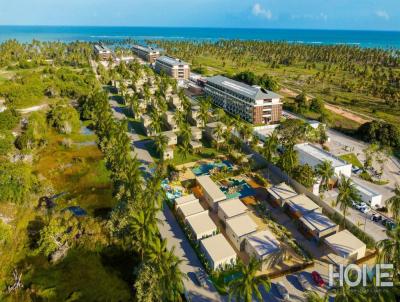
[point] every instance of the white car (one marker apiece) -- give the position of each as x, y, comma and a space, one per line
365, 209
283, 291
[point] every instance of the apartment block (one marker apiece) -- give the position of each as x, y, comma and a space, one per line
146, 53
253, 104
175, 68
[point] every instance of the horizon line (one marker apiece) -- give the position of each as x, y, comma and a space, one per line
198, 27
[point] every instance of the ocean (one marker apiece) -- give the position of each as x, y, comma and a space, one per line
361, 38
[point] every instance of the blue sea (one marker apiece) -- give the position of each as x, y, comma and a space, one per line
372, 39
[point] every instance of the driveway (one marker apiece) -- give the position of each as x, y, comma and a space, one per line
172, 232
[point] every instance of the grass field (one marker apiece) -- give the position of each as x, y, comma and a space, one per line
352, 159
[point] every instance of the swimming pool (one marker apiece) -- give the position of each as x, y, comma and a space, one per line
205, 169
243, 189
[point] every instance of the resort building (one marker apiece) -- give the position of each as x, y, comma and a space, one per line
313, 156
318, 225
279, 193
218, 251
175, 102
264, 247
168, 153
238, 228
184, 199
253, 104
195, 116
230, 208
197, 134
146, 53
211, 131
189, 208
195, 145
103, 52
201, 225
369, 196
300, 205
210, 190
172, 138
169, 118
175, 68
346, 246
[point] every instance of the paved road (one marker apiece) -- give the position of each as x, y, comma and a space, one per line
170, 230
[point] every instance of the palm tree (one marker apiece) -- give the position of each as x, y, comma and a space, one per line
270, 147
155, 121
204, 112
394, 203
325, 171
219, 131
161, 143
347, 194
389, 249
289, 159
312, 296
248, 284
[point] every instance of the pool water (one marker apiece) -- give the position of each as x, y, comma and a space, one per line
243, 189
170, 192
205, 169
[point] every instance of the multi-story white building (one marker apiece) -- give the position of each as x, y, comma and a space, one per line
173, 67
148, 54
103, 52
253, 104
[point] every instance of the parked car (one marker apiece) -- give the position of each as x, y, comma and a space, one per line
303, 282
201, 277
365, 209
318, 279
376, 217
283, 291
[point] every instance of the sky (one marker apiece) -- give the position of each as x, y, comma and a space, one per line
308, 14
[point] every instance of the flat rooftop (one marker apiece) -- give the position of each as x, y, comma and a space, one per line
185, 199
344, 243
171, 61
232, 207
211, 187
317, 221
214, 124
364, 190
301, 203
190, 208
252, 92
201, 223
218, 248
242, 225
264, 243
169, 134
146, 48
321, 155
282, 191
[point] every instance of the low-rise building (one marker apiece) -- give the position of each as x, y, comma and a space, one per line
368, 195
318, 225
184, 199
195, 116
201, 225
253, 104
347, 246
211, 192
218, 251
195, 145
169, 118
103, 52
211, 130
230, 208
173, 67
264, 247
280, 192
300, 205
189, 208
172, 138
146, 53
313, 156
175, 102
168, 153
197, 133
238, 228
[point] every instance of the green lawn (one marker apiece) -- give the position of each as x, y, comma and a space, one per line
204, 153
352, 159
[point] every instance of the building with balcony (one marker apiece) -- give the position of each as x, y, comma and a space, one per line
253, 104
103, 52
146, 53
175, 68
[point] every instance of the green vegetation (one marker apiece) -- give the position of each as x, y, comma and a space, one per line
351, 158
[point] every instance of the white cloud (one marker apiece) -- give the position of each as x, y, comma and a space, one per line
382, 14
258, 10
